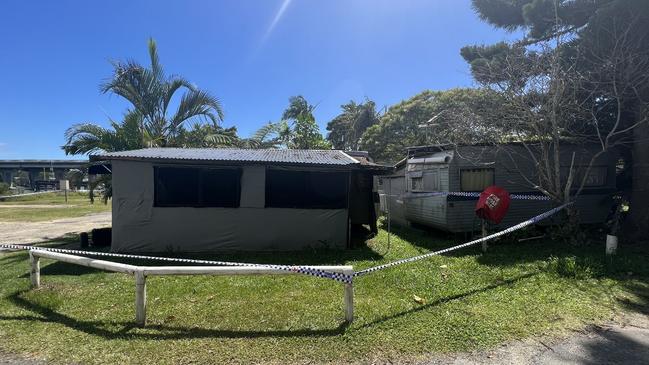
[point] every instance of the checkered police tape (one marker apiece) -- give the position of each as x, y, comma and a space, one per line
524, 224
306, 270
468, 194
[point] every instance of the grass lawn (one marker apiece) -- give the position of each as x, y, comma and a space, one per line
470, 301
54, 204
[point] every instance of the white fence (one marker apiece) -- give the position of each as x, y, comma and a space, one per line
142, 272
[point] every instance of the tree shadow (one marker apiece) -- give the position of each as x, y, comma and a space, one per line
605, 346
10, 259
322, 256
153, 331
639, 304
440, 301
64, 268
423, 237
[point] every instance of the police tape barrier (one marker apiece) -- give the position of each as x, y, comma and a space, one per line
306, 270
467, 194
521, 225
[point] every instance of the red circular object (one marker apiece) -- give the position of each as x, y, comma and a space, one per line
493, 204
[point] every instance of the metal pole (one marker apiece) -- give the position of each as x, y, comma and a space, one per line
484, 234
140, 298
349, 299
35, 273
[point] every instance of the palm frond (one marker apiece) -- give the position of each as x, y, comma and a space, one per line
156, 67
197, 104
219, 140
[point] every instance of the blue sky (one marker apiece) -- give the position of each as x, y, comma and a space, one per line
253, 55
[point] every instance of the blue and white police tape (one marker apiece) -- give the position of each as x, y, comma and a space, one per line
468, 194
524, 224
306, 270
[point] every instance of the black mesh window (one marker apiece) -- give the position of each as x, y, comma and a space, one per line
197, 187
220, 188
306, 189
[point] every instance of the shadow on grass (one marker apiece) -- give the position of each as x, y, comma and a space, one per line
451, 298
64, 268
165, 332
10, 259
640, 303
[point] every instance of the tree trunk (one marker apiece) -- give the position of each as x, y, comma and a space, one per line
638, 222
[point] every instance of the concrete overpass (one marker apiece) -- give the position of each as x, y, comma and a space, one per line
52, 168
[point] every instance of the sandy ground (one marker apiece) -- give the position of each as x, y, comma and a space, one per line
29, 232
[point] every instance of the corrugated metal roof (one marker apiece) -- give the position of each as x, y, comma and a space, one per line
314, 157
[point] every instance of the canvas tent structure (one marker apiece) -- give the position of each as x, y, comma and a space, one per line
213, 200
471, 168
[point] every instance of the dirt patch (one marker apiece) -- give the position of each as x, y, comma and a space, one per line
622, 342
9, 359
29, 232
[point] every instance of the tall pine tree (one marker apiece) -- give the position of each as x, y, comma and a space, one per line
606, 44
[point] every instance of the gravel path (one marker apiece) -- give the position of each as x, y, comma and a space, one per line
28, 232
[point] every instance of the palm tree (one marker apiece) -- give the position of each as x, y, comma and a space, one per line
87, 138
303, 131
271, 135
151, 91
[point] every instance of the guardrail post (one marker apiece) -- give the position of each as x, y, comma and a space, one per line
349, 298
485, 246
35, 273
140, 298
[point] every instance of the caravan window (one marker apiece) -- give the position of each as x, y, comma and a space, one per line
306, 189
476, 179
431, 180
196, 187
416, 184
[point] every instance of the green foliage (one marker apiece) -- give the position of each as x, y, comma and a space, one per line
299, 129
150, 123
87, 138
346, 129
432, 117
151, 91
580, 72
472, 301
4, 188
270, 135
575, 267
207, 135
75, 176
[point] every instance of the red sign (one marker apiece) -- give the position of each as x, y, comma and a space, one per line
493, 204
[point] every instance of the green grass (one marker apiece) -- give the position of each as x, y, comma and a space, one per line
78, 205
472, 301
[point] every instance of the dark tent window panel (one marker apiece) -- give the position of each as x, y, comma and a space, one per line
197, 187
306, 189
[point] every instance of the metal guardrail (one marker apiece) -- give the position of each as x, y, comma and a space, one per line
142, 272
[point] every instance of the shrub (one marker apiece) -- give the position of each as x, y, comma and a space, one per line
4, 188
576, 267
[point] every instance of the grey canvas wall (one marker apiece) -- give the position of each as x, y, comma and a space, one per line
138, 226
